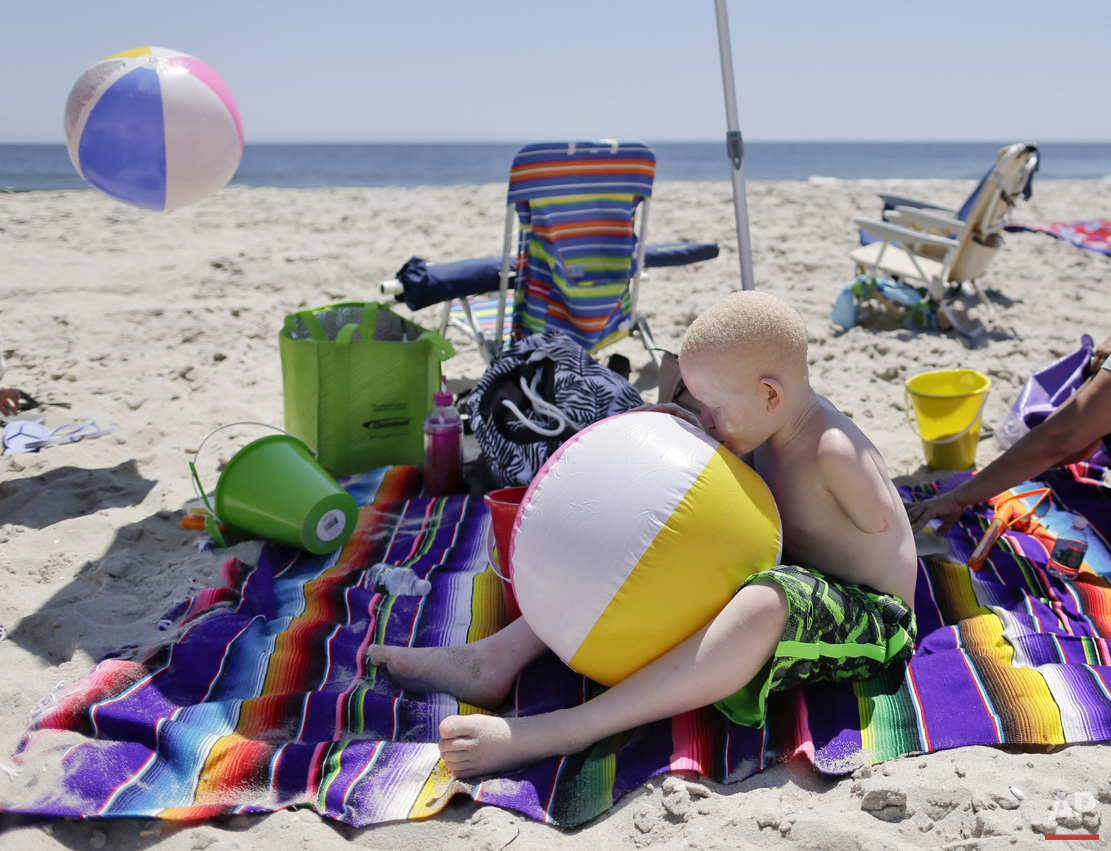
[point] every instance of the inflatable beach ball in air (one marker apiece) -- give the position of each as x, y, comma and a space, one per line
633, 536
153, 127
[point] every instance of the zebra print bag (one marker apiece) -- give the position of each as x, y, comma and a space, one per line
540, 392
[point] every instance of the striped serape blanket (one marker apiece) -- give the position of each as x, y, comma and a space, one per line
1093, 235
262, 700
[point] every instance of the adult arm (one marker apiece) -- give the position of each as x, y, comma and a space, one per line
1066, 436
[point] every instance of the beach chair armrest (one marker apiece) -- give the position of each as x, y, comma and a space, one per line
891, 201
923, 219
393, 288
894, 233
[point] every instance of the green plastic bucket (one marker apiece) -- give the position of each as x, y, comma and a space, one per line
274, 488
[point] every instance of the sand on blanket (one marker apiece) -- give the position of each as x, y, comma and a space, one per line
167, 325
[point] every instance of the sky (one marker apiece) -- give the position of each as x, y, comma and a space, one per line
493, 70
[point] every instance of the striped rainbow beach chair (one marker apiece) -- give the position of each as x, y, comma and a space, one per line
579, 256
580, 210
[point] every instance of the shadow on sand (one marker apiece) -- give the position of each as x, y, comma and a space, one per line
115, 600
66, 492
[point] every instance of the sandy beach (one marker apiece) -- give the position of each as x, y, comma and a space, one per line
167, 325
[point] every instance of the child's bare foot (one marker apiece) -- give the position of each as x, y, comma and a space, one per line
464, 672
471, 745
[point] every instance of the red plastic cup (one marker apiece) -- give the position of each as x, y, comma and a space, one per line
503, 511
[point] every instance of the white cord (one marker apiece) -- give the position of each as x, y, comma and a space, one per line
542, 407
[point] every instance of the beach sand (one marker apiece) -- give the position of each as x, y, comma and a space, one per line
166, 324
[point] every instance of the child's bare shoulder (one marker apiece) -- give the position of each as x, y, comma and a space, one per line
843, 453
837, 439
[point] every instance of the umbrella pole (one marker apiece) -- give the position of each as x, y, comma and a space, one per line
735, 149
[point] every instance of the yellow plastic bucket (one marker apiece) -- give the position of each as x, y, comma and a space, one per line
948, 405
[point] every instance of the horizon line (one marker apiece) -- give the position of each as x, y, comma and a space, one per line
655, 141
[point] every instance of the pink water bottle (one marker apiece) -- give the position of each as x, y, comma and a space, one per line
443, 448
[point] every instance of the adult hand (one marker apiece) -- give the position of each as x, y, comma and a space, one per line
9, 401
1100, 355
674, 410
945, 506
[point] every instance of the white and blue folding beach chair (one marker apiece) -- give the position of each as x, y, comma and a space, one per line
939, 247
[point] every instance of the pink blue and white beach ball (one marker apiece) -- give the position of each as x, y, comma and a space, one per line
153, 127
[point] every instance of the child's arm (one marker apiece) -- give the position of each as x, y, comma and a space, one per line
850, 473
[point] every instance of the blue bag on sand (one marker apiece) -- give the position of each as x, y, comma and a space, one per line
866, 287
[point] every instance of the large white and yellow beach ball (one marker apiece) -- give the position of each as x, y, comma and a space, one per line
153, 127
633, 536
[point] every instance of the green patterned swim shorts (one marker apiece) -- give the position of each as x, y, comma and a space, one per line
834, 632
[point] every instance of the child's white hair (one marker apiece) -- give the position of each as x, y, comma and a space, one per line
758, 331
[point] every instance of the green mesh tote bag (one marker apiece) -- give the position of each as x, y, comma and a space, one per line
357, 382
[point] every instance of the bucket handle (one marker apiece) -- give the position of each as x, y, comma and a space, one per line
955, 437
492, 560
213, 527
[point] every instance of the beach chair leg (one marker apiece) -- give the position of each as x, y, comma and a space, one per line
875, 270
641, 247
649, 342
485, 347
445, 316
945, 310
983, 298
468, 327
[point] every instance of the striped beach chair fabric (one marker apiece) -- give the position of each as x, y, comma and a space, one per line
579, 257
480, 313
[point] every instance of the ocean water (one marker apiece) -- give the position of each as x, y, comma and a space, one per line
28, 167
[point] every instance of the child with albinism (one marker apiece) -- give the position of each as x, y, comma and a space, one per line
841, 608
